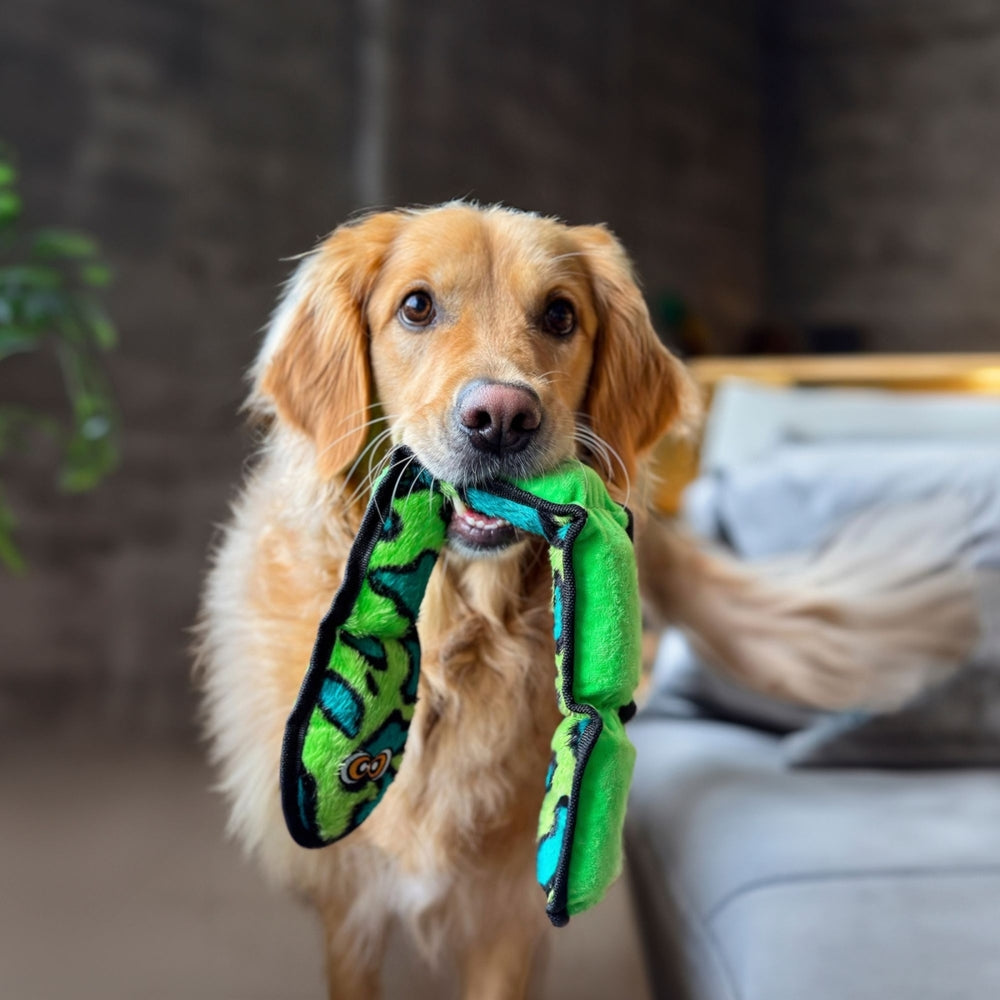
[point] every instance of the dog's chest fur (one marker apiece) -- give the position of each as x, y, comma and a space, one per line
466, 800
473, 776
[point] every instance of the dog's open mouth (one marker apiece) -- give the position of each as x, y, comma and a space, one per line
478, 532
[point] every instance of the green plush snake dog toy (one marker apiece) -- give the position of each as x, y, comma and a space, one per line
345, 737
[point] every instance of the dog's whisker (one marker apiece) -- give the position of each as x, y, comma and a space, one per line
365, 486
600, 449
374, 443
353, 430
597, 450
409, 492
546, 380
431, 492
596, 440
395, 486
360, 411
369, 478
375, 471
413, 486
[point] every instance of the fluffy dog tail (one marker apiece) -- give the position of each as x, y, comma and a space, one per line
889, 607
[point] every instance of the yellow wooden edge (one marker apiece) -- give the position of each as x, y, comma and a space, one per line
978, 371
675, 461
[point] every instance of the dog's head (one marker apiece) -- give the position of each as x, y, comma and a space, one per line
491, 342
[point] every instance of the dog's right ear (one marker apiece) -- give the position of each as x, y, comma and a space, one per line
313, 371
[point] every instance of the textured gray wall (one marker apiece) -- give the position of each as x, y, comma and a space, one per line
836, 167
203, 140
642, 114
884, 192
201, 144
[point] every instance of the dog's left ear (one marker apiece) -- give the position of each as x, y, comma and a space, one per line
637, 388
313, 372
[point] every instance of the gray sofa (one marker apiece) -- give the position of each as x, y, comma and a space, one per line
762, 866
757, 881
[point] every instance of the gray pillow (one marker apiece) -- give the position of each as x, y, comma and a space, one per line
798, 497
956, 724
802, 496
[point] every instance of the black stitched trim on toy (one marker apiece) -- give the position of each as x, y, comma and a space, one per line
371, 530
558, 909
291, 769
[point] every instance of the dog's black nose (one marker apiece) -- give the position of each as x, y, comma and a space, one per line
498, 416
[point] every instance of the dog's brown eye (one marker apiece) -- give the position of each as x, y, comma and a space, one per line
559, 318
417, 309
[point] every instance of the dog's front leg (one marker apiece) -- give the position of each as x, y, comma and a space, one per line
352, 965
500, 964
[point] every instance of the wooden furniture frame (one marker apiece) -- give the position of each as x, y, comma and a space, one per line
676, 460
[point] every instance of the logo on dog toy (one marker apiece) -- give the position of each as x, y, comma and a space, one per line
362, 766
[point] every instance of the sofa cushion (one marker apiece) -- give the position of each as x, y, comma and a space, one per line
956, 724
891, 510
826, 884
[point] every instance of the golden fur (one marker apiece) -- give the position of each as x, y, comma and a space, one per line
451, 848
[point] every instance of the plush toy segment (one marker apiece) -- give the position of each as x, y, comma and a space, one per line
345, 738
598, 630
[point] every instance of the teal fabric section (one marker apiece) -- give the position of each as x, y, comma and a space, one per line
342, 704
521, 516
369, 647
550, 848
409, 584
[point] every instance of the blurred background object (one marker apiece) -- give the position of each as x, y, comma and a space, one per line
51, 304
789, 176
784, 852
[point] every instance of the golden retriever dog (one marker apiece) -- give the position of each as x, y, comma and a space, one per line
492, 342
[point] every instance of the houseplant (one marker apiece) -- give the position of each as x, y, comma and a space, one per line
52, 287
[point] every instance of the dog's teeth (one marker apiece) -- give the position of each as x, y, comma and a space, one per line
460, 506
479, 521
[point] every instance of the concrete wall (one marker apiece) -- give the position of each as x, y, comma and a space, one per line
203, 140
642, 114
201, 144
883, 130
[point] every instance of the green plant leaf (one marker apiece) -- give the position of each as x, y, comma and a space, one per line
16, 340
45, 308
10, 555
86, 462
52, 244
51, 285
10, 207
30, 276
96, 427
96, 275
102, 330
